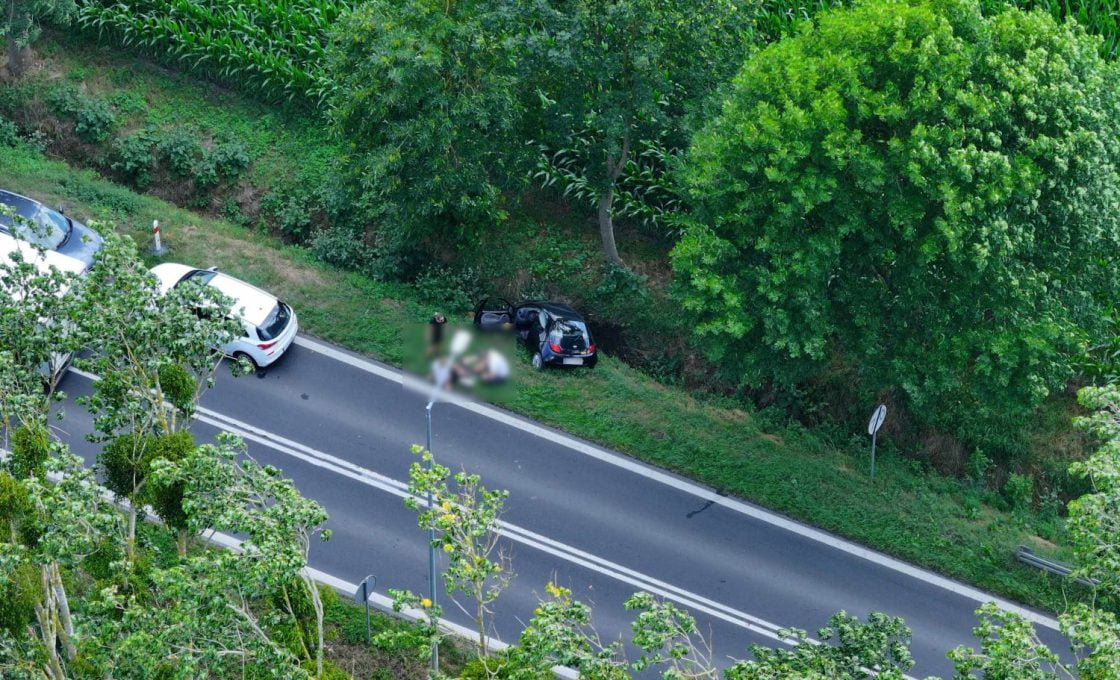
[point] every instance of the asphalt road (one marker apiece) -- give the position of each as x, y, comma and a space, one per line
597, 522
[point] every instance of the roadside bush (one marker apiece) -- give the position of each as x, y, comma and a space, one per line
341, 247
9, 133
132, 157
1019, 491
94, 119
179, 149
31, 447
456, 290
290, 211
846, 212
230, 159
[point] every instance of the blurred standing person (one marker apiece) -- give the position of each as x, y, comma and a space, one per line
435, 333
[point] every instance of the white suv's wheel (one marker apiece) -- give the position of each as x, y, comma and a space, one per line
538, 361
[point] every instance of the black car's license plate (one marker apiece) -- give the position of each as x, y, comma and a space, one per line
573, 361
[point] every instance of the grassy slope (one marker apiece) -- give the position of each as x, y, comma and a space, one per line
919, 516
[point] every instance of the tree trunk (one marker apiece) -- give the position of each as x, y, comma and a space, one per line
606, 226
181, 541
130, 541
606, 202
63, 612
317, 603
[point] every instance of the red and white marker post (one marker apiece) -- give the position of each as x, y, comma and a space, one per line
158, 248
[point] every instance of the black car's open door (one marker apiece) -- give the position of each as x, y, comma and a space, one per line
493, 314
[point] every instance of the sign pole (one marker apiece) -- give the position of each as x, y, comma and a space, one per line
873, 438
362, 595
432, 546
877, 418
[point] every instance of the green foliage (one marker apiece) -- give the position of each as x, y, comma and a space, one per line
278, 51
427, 110
289, 210
894, 189
94, 119
166, 497
14, 503
31, 447
1019, 491
853, 650
19, 593
125, 462
178, 385
454, 289
9, 133
132, 157
179, 150
612, 108
344, 248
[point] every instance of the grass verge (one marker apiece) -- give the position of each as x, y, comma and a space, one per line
941, 523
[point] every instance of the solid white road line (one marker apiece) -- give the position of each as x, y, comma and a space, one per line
631, 465
568, 553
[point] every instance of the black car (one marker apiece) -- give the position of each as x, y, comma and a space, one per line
51, 231
555, 333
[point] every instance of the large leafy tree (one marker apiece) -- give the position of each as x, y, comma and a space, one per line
426, 109
620, 78
922, 196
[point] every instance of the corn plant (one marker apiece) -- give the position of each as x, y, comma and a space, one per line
274, 47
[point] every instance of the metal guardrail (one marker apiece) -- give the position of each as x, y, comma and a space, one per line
1028, 557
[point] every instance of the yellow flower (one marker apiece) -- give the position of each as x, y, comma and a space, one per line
447, 547
446, 506
425, 603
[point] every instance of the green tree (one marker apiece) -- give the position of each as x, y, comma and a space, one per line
155, 351
20, 25
561, 634
242, 497
617, 77
37, 327
925, 197
426, 110
465, 523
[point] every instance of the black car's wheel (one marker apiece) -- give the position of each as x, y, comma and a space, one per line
538, 361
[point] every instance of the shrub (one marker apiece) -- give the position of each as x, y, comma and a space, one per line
457, 290
132, 157
230, 159
9, 133
31, 447
179, 150
1019, 491
343, 248
94, 119
290, 210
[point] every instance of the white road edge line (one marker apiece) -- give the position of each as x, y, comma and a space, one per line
741, 507
513, 532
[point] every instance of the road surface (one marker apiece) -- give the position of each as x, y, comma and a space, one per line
341, 427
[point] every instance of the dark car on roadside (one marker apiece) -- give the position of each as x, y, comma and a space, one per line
553, 332
48, 229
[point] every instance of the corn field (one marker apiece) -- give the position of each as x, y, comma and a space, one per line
276, 48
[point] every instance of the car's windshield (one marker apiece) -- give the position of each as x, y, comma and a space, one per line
199, 276
276, 321
44, 228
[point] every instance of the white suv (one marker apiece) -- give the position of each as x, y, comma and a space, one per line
270, 325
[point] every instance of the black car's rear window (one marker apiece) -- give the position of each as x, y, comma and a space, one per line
571, 335
276, 321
